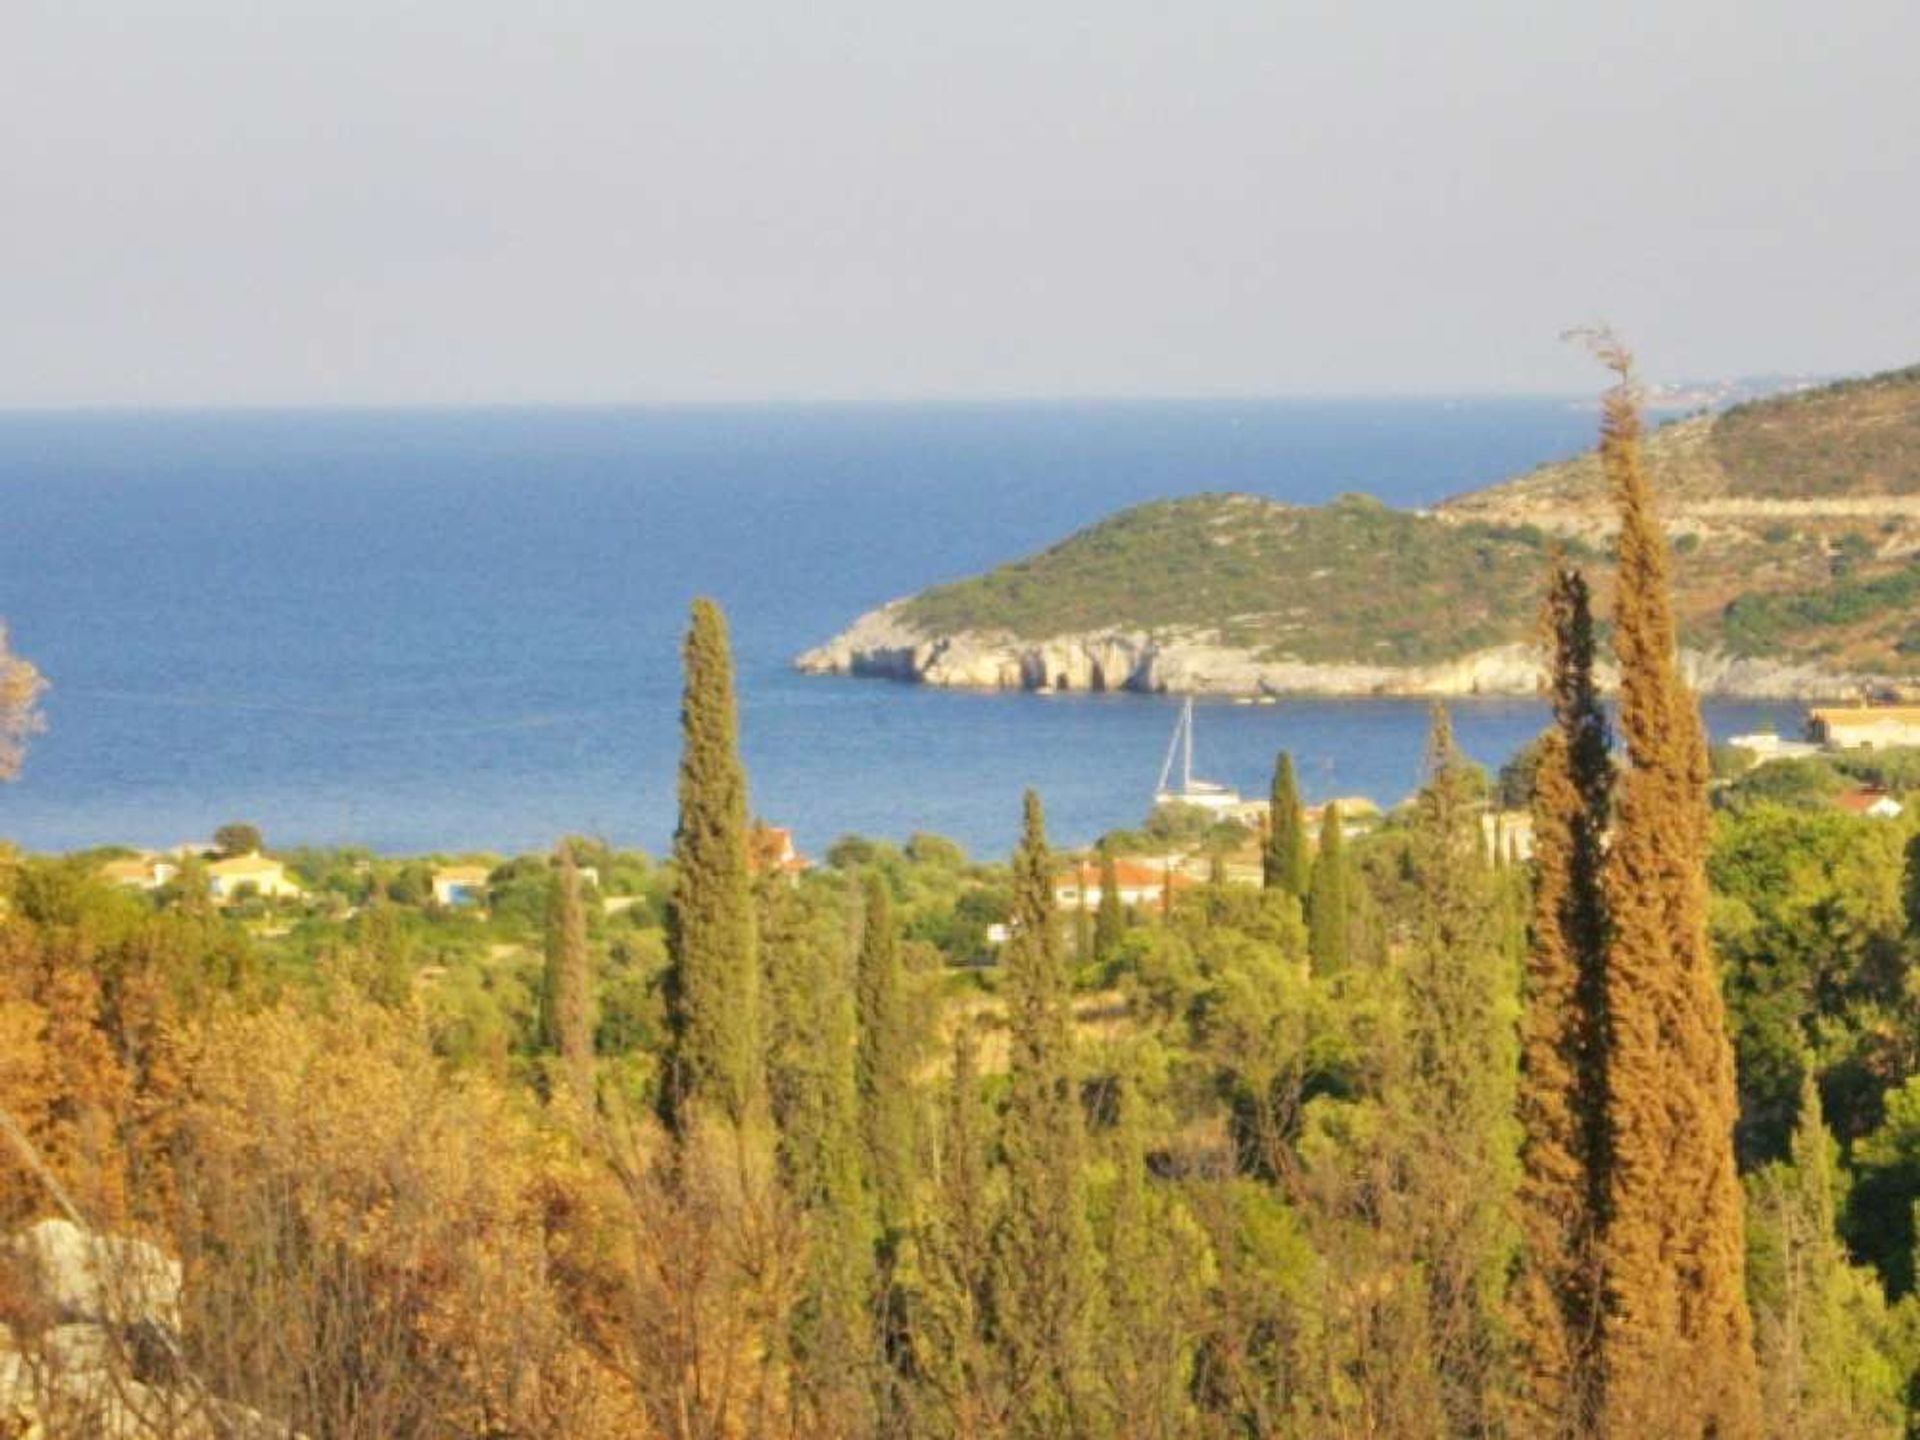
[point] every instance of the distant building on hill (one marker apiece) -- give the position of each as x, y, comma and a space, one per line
770, 851
455, 886
1865, 727
144, 872
1508, 834
1141, 882
1765, 745
251, 874
1876, 804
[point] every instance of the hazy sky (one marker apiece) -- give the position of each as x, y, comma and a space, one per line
608, 200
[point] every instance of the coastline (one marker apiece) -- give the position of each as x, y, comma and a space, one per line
882, 645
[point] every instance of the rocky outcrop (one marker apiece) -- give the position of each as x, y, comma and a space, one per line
90, 1345
883, 644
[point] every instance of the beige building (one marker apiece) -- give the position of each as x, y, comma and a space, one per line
252, 874
143, 872
460, 885
1865, 727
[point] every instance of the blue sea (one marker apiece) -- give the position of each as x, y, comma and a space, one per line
458, 630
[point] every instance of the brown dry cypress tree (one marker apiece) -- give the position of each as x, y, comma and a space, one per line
713, 964
1562, 1096
1677, 1340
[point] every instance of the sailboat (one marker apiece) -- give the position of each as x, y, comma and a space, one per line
1205, 793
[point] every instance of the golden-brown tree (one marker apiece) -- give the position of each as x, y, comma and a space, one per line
20, 689
1562, 1097
1676, 1341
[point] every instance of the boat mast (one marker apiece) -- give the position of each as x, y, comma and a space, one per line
1186, 766
1173, 749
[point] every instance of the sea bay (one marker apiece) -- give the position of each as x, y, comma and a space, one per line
454, 630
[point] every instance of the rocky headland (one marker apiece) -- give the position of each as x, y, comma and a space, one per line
1796, 528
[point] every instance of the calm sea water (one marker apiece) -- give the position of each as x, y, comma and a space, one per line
451, 630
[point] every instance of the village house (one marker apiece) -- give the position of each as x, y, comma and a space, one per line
1764, 746
1507, 834
1140, 882
144, 872
1865, 727
239, 876
1876, 804
770, 851
458, 885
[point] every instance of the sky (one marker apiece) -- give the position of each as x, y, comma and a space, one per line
620, 201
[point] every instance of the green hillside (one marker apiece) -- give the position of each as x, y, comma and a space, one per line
1796, 524
1350, 580
1859, 437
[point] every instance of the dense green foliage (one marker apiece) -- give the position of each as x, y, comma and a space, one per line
1767, 624
1286, 581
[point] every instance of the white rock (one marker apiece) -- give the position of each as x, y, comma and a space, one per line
109, 1279
882, 643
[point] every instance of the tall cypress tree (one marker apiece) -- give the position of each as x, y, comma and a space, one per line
1110, 922
1283, 865
713, 970
1458, 1105
962, 1387
1044, 1281
884, 1062
834, 1341
1678, 1345
1328, 943
1562, 1098
567, 994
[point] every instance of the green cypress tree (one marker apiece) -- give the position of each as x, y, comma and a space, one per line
1110, 922
1328, 944
961, 1386
1461, 1138
1832, 1361
713, 1059
884, 1064
388, 952
1284, 864
1148, 1326
1044, 1283
836, 1349
566, 1018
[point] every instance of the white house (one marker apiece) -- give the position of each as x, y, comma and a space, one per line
144, 872
456, 885
1764, 745
1875, 804
1866, 727
250, 874
1139, 883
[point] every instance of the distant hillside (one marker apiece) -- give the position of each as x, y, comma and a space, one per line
1282, 581
1796, 526
1796, 521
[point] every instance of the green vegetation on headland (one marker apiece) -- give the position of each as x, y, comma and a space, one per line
1796, 518
1349, 580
